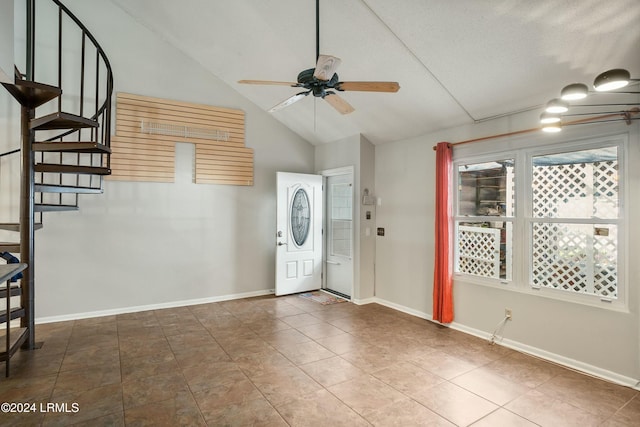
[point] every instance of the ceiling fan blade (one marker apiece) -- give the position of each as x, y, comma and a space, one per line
295, 98
267, 82
326, 67
338, 103
368, 86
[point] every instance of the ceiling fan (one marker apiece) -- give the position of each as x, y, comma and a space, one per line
323, 82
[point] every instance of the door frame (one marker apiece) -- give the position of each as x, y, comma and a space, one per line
283, 235
345, 170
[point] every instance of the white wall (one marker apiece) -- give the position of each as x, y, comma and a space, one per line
6, 41
358, 152
604, 342
142, 244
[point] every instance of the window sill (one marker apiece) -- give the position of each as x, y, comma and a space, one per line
587, 300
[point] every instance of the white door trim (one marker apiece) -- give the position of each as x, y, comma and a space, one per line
345, 170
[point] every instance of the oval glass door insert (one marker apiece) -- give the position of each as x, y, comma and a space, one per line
300, 217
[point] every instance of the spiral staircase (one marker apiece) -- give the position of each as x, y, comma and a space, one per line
64, 149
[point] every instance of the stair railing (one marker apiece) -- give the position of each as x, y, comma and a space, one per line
102, 89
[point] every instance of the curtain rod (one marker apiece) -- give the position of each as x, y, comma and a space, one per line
625, 114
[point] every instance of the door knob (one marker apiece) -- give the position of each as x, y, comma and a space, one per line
281, 243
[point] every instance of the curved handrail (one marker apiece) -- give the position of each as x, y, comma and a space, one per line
100, 51
106, 105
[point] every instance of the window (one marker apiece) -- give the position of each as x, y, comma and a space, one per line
574, 232
485, 218
567, 211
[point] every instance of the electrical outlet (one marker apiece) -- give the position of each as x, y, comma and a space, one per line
507, 313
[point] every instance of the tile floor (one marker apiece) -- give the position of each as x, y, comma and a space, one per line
290, 361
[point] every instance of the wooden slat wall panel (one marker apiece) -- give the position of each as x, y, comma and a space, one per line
141, 156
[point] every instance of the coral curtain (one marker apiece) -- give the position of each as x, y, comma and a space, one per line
442, 272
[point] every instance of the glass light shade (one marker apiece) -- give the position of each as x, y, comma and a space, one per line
611, 80
574, 92
549, 118
552, 127
557, 106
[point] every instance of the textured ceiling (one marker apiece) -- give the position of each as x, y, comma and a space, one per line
456, 61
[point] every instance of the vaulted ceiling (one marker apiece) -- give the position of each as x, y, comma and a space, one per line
457, 62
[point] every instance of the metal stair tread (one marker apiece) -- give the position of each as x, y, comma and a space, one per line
44, 207
14, 290
16, 313
73, 147
10, 270
57, 168
61, 120
10, 247
15, 226
32, 94
17, 337
55, 188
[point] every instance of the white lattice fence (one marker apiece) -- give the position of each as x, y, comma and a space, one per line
579, 258
577, 190
479, 251
572, 257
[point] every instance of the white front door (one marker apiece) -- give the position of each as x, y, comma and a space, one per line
339, 234
298, 233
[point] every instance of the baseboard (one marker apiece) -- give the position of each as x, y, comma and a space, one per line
363, 301
566, 362
134, 309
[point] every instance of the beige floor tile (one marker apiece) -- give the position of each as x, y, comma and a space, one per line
627, 416
204, 377
220, 395
72, 383
408, 413
490, 386
269, 361
153, 389
91, 404
320, 330
593, 395
502, 417
234, 363
300, 320
366, 394
456, 404
332, 371
255, 413
305, 352
343, 343
285, 385
179, 411
408, 378
524, 369
548, 411
147, 366
320, 409
442, 364
285, 337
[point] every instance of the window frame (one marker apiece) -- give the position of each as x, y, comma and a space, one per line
523, 220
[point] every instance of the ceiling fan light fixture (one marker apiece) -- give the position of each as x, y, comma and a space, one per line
547, 118
557, 106
611, 80
574, 92
552, 127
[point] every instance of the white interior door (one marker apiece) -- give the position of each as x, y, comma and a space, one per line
339, 234
298, 233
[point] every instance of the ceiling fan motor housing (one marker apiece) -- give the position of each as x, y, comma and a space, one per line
318, 87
